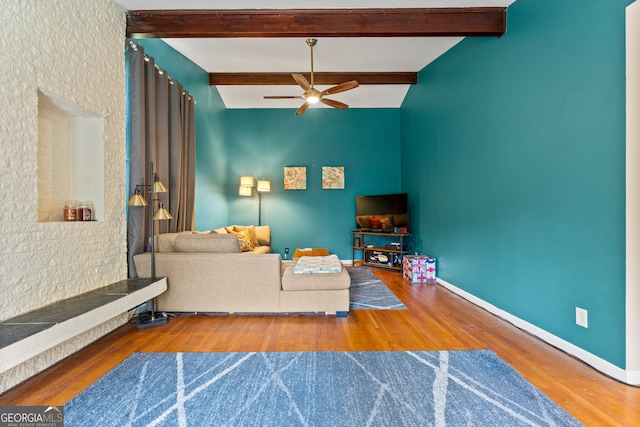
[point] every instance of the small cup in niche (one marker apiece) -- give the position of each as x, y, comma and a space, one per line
70, 210
85, 211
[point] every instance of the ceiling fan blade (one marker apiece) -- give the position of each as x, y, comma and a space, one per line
341, 87
302, 81
302, 108
282, 97
334, 104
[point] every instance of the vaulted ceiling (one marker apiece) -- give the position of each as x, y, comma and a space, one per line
250, 52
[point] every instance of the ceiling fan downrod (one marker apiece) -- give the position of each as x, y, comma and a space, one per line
311, 43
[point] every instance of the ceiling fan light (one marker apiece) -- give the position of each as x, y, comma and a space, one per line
313, 99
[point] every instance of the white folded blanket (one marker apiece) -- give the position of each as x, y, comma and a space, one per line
318, 264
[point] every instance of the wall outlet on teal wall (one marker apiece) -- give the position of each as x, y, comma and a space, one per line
582, 318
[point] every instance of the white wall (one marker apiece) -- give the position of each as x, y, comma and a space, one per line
633, 192
75, 50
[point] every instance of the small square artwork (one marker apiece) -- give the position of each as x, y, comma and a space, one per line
333, 177
295, 178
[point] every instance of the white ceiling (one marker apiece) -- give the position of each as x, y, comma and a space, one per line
293, 55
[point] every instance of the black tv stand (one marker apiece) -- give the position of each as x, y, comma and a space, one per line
371, 253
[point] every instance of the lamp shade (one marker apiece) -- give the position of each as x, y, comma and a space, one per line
159, 187
137, 199
247, 181
244, 190
162, 213
263, 185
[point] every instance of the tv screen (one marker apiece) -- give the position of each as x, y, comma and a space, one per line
382, 212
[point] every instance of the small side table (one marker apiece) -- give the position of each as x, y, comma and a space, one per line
310, 252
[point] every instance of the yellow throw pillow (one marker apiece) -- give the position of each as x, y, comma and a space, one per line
252, 232
244, 238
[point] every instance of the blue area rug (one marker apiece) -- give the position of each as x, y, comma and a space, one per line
367, 292
394, 388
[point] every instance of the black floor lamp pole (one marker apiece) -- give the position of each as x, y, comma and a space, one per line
152, 320
259, 207
152, 228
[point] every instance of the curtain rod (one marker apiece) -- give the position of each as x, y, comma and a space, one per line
147, 58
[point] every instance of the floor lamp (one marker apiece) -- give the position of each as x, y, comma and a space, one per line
137, 200
247, 182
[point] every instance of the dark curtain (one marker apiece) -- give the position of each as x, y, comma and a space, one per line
162, 134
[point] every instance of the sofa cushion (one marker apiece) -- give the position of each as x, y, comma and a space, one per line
263, 233
164, 242
202, 232
260, 250
206, 243
307, 282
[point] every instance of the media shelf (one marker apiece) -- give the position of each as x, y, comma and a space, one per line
379, 256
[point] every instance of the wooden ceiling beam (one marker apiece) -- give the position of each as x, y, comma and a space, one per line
268, 79
429, 22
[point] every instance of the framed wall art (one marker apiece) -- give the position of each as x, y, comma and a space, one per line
333, 177
295, 178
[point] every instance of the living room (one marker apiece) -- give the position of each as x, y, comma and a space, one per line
512, 219
512, 151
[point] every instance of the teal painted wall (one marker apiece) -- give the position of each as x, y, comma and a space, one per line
210, 121
514, 157
262, 142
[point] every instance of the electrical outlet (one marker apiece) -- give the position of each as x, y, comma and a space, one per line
582, 317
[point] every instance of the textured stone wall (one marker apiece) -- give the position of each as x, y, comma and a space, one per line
75, 50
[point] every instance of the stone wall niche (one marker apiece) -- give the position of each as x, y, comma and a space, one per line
70, 157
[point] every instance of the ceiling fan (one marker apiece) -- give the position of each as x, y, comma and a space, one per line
311, 94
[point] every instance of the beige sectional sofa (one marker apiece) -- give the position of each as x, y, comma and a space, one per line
210, 273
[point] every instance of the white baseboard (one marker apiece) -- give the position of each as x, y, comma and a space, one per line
607, 368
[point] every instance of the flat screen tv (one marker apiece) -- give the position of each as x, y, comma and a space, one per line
384, 212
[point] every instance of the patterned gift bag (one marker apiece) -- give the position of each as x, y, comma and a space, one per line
431, 270
422, 269
407, 266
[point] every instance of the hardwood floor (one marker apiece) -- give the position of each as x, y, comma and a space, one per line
436, 320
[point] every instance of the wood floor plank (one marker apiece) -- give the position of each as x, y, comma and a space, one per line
436, 319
